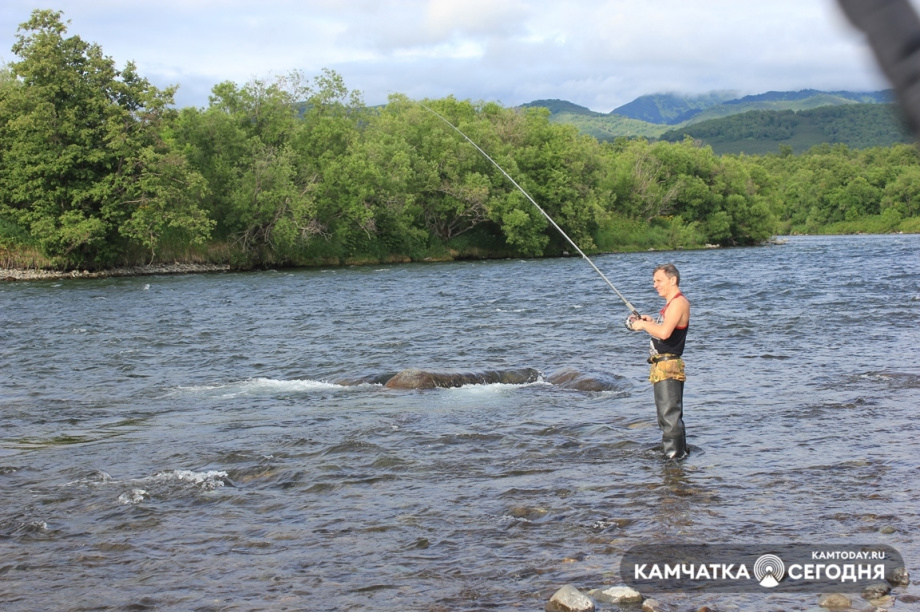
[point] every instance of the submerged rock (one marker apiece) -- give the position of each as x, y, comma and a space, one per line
570, 378
368, 379
569, 599
415, 378
528, 513
616, 595
651, 605
834, 600
428, 379
876, 591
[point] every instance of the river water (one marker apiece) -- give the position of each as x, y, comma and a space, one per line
177, 442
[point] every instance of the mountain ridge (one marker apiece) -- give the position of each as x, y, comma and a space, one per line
673, 108
733, 124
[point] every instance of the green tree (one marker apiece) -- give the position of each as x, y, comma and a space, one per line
444, 178
903, 193
83, 166
258, 149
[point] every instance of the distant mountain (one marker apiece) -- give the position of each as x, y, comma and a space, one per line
561, 106
799, 119
758, 132
870, 97
671, 109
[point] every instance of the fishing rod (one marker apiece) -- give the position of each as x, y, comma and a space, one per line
632, 308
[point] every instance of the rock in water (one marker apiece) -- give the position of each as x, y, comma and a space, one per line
570, 378
834, 600
427, 379
519, 376
899, 577
651, 605
367, 379
616, 595
876, 591
569, 599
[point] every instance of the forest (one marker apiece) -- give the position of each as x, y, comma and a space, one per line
859, 126
98, 168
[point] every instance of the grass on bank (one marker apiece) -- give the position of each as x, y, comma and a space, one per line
18, 251
623, 235
884, 223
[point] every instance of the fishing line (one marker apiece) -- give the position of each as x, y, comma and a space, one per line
532, 201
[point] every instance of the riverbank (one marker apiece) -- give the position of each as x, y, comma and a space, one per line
31, 274
28, 274
12, 274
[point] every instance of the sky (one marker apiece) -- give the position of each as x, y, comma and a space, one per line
599, 54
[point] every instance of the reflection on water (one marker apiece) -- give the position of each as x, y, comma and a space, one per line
177, 442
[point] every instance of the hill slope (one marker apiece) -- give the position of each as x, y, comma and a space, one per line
754, 124
670, 109
757, 132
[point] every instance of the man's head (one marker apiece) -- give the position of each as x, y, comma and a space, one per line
666, 279
670, 270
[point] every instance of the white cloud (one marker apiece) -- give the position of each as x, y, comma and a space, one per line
600, 54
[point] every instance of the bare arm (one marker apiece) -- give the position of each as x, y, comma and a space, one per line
677, 315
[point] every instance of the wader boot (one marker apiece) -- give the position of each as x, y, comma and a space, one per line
669, 400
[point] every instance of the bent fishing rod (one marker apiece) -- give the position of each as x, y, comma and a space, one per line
632, 308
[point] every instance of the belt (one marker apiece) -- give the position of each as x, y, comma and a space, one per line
662, 357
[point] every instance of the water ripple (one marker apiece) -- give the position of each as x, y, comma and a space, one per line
178, 443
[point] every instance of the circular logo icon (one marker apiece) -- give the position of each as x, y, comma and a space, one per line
769, 570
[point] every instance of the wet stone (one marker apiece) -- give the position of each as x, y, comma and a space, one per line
429, 379
834, 600
569, 599
882, 603
618, 594
528, 513
899, 577
570, 378
652, 605
876, 591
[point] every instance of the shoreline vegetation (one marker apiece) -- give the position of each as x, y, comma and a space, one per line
100, 175
189, 267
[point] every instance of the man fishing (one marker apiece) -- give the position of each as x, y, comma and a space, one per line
668, 332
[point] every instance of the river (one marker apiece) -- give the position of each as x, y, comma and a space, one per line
178, 443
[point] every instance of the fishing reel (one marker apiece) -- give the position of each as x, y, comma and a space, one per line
630, 320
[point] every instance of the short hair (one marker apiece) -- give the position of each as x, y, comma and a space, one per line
670, 270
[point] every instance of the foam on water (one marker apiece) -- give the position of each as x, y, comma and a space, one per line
207, 481
492, 388
263, 386
133, 497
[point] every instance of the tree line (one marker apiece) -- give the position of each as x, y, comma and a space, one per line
98, 168
857, 125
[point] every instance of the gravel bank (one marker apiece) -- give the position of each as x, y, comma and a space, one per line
176, 268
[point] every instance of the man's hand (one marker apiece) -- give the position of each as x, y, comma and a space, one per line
635, 323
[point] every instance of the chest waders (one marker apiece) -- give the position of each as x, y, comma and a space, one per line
669, 401
667, 378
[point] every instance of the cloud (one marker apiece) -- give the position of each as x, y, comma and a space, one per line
600, 54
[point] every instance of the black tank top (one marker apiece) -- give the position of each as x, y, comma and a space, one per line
675, 344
